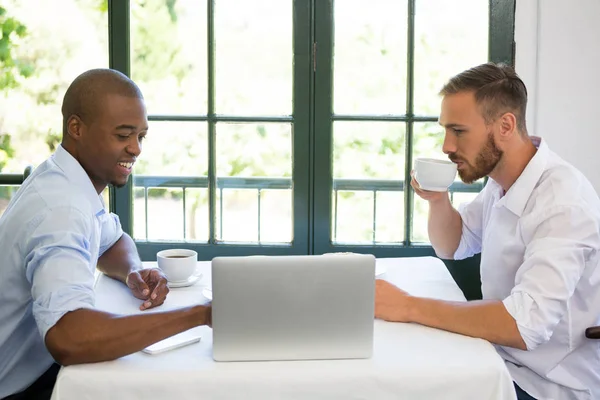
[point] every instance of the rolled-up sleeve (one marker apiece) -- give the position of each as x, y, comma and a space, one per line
561, 240
111, 231
472, 227
59, 266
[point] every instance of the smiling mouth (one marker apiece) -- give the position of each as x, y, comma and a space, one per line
127, 165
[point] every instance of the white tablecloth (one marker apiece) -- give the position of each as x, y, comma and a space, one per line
409, 361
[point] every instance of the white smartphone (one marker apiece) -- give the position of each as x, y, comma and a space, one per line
173, 342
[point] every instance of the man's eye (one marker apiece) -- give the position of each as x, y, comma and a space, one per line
124, 137
458, 131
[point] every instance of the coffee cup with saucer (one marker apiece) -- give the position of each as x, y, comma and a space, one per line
179, 266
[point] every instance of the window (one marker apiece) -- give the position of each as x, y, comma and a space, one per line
287, 126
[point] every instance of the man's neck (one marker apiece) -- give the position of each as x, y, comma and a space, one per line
513, 163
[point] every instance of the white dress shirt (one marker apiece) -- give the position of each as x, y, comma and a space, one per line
539, 247
51, 236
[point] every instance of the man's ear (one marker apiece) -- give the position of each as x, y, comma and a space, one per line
508, 125
75, 127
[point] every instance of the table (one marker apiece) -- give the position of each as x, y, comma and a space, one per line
409, 361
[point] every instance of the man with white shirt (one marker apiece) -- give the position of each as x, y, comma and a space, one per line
56, 231
537, 226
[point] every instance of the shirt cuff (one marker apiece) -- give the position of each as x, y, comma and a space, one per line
523, 308
50, 308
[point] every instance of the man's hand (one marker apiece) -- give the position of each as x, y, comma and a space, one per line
148, 284
391, 302
426, 194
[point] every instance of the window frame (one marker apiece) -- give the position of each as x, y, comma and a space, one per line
312, 113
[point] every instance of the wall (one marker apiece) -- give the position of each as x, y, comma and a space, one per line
558, 57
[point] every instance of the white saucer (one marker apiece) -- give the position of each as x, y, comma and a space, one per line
188, 282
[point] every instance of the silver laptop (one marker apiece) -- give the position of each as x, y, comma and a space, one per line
293, 307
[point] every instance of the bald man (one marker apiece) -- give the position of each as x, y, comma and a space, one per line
56, 231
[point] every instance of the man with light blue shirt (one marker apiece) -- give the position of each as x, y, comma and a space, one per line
537, 226
56, 231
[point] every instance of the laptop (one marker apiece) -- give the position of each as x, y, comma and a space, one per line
293, 307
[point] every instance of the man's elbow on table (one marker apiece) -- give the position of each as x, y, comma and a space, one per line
60, 349
63, 344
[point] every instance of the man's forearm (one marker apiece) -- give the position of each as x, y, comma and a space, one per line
120, 259
486, 319
86, 336
444, 226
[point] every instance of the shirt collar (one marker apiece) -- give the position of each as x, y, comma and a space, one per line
78, 177
519, 193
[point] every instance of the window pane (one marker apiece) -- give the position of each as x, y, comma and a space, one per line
172, 150
167, 219
237, 218
368, 216
168, 55
254, 149
254, 57
352, 216
165, 214
371, 154
61, 42
276, 216
368, 150
253, 157
450, 36
196, 214
370, 57
390, 217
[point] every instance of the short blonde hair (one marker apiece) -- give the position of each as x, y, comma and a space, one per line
497, 88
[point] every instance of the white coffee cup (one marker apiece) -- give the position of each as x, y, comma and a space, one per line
434, 175
177, 264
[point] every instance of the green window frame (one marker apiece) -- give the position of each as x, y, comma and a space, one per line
312, 122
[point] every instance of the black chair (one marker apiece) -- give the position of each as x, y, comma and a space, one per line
593, 332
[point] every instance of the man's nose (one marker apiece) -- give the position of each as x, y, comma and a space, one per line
449, 145
134, 147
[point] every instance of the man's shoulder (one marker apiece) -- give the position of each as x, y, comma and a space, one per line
55, 191
561, 184
563, 176
49, 189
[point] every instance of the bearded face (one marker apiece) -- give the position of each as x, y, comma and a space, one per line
485, 162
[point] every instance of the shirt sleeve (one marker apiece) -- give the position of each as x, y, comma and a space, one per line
59, 265
472, 227
559, 243
110, 231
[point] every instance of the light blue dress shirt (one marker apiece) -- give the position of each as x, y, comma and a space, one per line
51, 236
